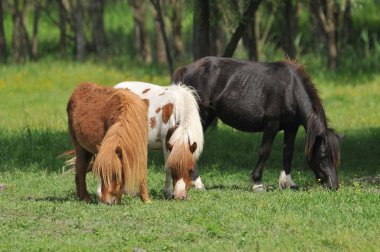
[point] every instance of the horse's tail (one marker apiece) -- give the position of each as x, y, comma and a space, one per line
70, 159
123, 152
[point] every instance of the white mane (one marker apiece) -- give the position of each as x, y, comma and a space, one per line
188, 118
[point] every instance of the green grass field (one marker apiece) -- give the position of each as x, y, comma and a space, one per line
39, 209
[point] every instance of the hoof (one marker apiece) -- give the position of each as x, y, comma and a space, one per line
168, 195
294, 188
258, 188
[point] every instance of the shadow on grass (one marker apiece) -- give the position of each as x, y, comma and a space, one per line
225, 150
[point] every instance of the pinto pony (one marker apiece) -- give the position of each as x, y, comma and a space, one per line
174, 127
266, 97
112, 126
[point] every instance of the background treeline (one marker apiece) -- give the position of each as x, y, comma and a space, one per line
337, 34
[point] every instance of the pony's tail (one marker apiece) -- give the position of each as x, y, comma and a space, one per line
70, 159
124, 150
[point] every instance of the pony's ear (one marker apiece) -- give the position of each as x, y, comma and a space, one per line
193, 147
169, 146
119, 152
310, 144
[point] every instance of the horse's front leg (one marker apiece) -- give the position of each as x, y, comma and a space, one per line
81, 167
168, 184
269, 135
196, 181
285, 180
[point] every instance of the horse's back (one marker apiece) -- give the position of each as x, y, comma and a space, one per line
244, 94
91, 111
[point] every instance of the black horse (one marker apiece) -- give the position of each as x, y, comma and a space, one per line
266, 97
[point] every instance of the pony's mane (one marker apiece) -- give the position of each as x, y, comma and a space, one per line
123, 151
189, 128
317, 122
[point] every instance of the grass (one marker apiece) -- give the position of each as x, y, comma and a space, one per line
39, 209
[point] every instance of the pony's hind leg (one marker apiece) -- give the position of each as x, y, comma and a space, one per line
285, 180
144, 194
269, 135
82, 160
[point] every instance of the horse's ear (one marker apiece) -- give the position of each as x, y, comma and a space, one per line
193, 147
119, 152
169, 146
311, 141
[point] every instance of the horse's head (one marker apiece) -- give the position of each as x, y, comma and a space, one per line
109, 169
181, 164
323, 158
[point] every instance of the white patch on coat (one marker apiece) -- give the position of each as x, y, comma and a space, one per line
180, 189
197, 184
99, 190
285, 181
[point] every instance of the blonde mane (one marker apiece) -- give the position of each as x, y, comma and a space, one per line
123, 151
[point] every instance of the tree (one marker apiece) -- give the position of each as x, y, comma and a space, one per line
326, 13
20, 40
37, 11
201, 27
176, 24
3, 43
218, 35
96, 11
80, 36
241, 28
62, 24
141, 37
291, 26
160, 20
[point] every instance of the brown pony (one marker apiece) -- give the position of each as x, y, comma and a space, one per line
111, 124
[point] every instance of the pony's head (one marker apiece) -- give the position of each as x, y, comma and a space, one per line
323, 153
108, 167
180, 162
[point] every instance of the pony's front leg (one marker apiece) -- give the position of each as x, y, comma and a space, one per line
168, 184
81, 167
144, 194
196, 181
285, 180
269, 135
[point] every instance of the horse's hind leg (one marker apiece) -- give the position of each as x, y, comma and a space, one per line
269, 135
144, 194
82, 160
285, 179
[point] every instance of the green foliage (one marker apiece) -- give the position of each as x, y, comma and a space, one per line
39, 209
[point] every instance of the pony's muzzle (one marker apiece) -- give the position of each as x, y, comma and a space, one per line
180, 192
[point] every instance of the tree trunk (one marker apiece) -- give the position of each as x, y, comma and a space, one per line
3, 43
176, 21
291, 29
37, 10
80, 37
141, 37
201, 27
63, 19
325, 12
250, 40
17, 39
236, 36
218, 36
160, 19
96, 10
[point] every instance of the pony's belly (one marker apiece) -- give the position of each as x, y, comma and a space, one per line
155, 145
254, 125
